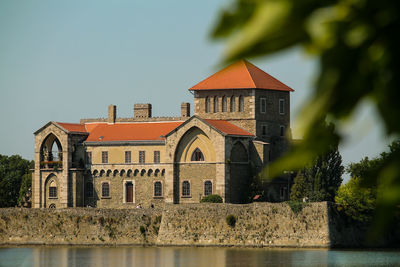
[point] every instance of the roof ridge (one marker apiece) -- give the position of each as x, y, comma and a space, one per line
245, 62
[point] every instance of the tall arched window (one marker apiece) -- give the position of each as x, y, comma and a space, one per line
207, 188
89, 189
233, 104
216, 104
197, 155
105, 190
185, 189
157, 189
224, 104
241, 103
208, 104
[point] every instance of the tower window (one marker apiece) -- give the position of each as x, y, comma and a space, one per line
263, 105
216, 104
264, 130
208, 105
241, 103
233, 104
224, 104
197, 155
281, 106
282, 130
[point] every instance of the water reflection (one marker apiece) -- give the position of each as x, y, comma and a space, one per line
189, 256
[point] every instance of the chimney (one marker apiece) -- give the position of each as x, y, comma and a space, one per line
142, 110
112, 113
185, 109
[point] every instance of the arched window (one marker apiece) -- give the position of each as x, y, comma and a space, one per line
224, 104
197, 155
208, 104
233, 104
185, 189
52, 206
89, 189
241, 103
105, 190
207, 188
216, 104
157, 189
53, 189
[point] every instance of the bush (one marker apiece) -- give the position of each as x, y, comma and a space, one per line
231, 220
212, 199
296, 206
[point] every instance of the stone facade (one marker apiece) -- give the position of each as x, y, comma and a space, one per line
233, 134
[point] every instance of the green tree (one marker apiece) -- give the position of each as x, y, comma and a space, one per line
321, 180
12, 169
358, 201
25, 185
357, 44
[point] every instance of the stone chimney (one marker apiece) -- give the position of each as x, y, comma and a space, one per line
112, 113
142, 110
185, 109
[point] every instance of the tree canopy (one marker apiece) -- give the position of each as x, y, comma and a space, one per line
12, 171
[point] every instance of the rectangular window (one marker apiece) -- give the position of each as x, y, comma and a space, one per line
104, 157
263, 129
156, 156
283, 192
142, 157
88, 157
263, 105
53, 191
158, 189
105, 190
128, 157
282, 130
281, 106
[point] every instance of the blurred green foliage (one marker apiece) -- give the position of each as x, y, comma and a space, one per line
357, 44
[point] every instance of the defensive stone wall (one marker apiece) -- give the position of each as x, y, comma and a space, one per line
257, 224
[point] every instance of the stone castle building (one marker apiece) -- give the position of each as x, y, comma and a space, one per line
241, 122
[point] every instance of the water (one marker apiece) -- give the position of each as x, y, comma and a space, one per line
192, 256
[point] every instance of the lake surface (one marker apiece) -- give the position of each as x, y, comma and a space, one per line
192, 256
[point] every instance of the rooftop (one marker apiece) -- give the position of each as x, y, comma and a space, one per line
241, 75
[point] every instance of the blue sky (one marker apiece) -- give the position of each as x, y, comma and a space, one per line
66, 60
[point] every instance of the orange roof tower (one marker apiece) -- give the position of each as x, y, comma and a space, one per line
241, 75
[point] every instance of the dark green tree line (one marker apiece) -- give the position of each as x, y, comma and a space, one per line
14, 172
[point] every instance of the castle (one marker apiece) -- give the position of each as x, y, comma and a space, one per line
241, 122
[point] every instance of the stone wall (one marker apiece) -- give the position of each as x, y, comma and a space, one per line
257, 224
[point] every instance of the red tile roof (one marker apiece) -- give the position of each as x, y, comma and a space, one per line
73, 127
227, 127
240, 75
141, 131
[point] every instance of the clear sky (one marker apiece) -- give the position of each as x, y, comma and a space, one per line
66, 60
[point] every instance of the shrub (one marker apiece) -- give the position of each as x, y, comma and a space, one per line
212, 199
231, 220
296, 206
